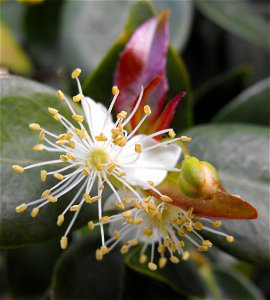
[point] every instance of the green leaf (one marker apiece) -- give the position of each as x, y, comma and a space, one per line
238, 17
22, 102
32, 276
225, 283
240, 154
78, 275
180, 20
218, 91
252, 106
12, 55
182, 278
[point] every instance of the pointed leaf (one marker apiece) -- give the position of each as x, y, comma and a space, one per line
240, 154
252, 106
143, 59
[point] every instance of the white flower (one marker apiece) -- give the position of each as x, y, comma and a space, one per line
156, 224
99, 151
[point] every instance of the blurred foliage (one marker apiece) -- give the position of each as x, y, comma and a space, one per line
221, 59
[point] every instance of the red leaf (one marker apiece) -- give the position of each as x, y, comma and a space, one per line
143, 59
221, 205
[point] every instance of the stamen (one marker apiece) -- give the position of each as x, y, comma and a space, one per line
38, 147
76, 73
43, 175
21, 208
17, 168
78, 98
34, 126
60, 95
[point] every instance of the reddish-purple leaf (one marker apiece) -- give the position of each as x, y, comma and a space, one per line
143, 59
221, 205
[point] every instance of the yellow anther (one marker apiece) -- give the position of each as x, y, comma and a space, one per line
78, 98
52, 111
89, 199
147, 231
116, 131
161, 248
120, 205
101, 187
133, 242
143, 259
104, 250
207, 243
165, 198
115, 90
127, 200
181, 244
63, 157
64, 242
71, 144
57, 117
127, 214
121, 173
85, 172
162, 262
147, 110
45, 194
217, 224
138, 148
189, 228
124, 249
122, 115
120, 141
99, 166
21, 208
17, 169
34, 212
52, 199
203, 248
69, 135
81, 133
185, 255
181, 232
190, 212
60, 220
174, 259
130, 221
104, 219
91, 225
138, 221
71, 156
38, 147
34, 126
60, 95
229, 238
42, 135
43, 175
198, 225
152, 266
186, 138
62, 136
171, 134
99, 255
151, 183
76, 73
78, 118
58, 176
137, 204
60, 142
111, 168
152, 206
116, 234
74, 207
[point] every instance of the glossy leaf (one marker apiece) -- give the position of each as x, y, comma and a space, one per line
182, 278
78, 275
238, 17
252, 106
13, 56
216, 92
24, 101
240, 154
142, 60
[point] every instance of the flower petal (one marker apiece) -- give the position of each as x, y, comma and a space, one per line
96, 114
150, 165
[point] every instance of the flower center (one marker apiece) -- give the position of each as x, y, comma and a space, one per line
98, 157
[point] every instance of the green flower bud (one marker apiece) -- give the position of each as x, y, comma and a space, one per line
198, 178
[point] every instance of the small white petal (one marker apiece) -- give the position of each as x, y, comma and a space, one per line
158, 161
